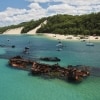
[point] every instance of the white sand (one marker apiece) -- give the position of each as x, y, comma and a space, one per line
14, 31
71, 37
33, 31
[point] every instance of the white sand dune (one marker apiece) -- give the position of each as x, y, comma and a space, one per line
33, 31
14, 31
18, 30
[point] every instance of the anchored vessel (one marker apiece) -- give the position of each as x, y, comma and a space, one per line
70, 73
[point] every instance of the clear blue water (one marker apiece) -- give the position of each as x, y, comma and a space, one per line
19, 85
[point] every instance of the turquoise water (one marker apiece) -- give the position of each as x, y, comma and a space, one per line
20, 85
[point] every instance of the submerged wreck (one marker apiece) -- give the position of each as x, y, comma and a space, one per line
70, 73
55, 59
20, 63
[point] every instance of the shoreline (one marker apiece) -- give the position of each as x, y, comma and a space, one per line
72, 37
17, 31
63, 37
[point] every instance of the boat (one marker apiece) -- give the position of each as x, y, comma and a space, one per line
26, 50
59, 49
89, 44
59, 46
83, 40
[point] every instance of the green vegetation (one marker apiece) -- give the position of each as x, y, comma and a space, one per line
68, 24
27, 26
32, 24
63, 24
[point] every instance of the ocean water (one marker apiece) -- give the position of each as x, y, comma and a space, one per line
20, 85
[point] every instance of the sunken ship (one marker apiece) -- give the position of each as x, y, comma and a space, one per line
69, 73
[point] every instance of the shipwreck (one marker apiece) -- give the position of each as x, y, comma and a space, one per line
69, 73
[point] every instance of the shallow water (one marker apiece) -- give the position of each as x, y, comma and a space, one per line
20, 85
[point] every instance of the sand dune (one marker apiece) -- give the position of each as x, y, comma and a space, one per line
14, 31
33, 31
18, 30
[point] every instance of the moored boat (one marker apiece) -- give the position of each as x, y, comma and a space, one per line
89, 44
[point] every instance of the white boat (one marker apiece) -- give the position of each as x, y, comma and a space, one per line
59, 45
89, 44
59, 49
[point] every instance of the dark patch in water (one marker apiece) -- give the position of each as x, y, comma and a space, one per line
95, 71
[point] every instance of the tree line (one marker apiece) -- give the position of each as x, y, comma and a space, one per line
88, 24
68, 24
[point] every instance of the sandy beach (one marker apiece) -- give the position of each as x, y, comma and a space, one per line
72, 37
54, 36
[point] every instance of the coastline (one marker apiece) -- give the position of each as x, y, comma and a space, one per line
17, 31
72, 37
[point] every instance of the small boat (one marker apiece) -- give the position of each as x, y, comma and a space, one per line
89, 44
83, 40
59, 46
26, 47
26, 50
59, 43
13, 46
59, 49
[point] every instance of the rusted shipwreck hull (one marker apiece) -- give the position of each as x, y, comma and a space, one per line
70, 73
20, 63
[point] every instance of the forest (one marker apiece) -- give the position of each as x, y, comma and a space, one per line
88, 24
